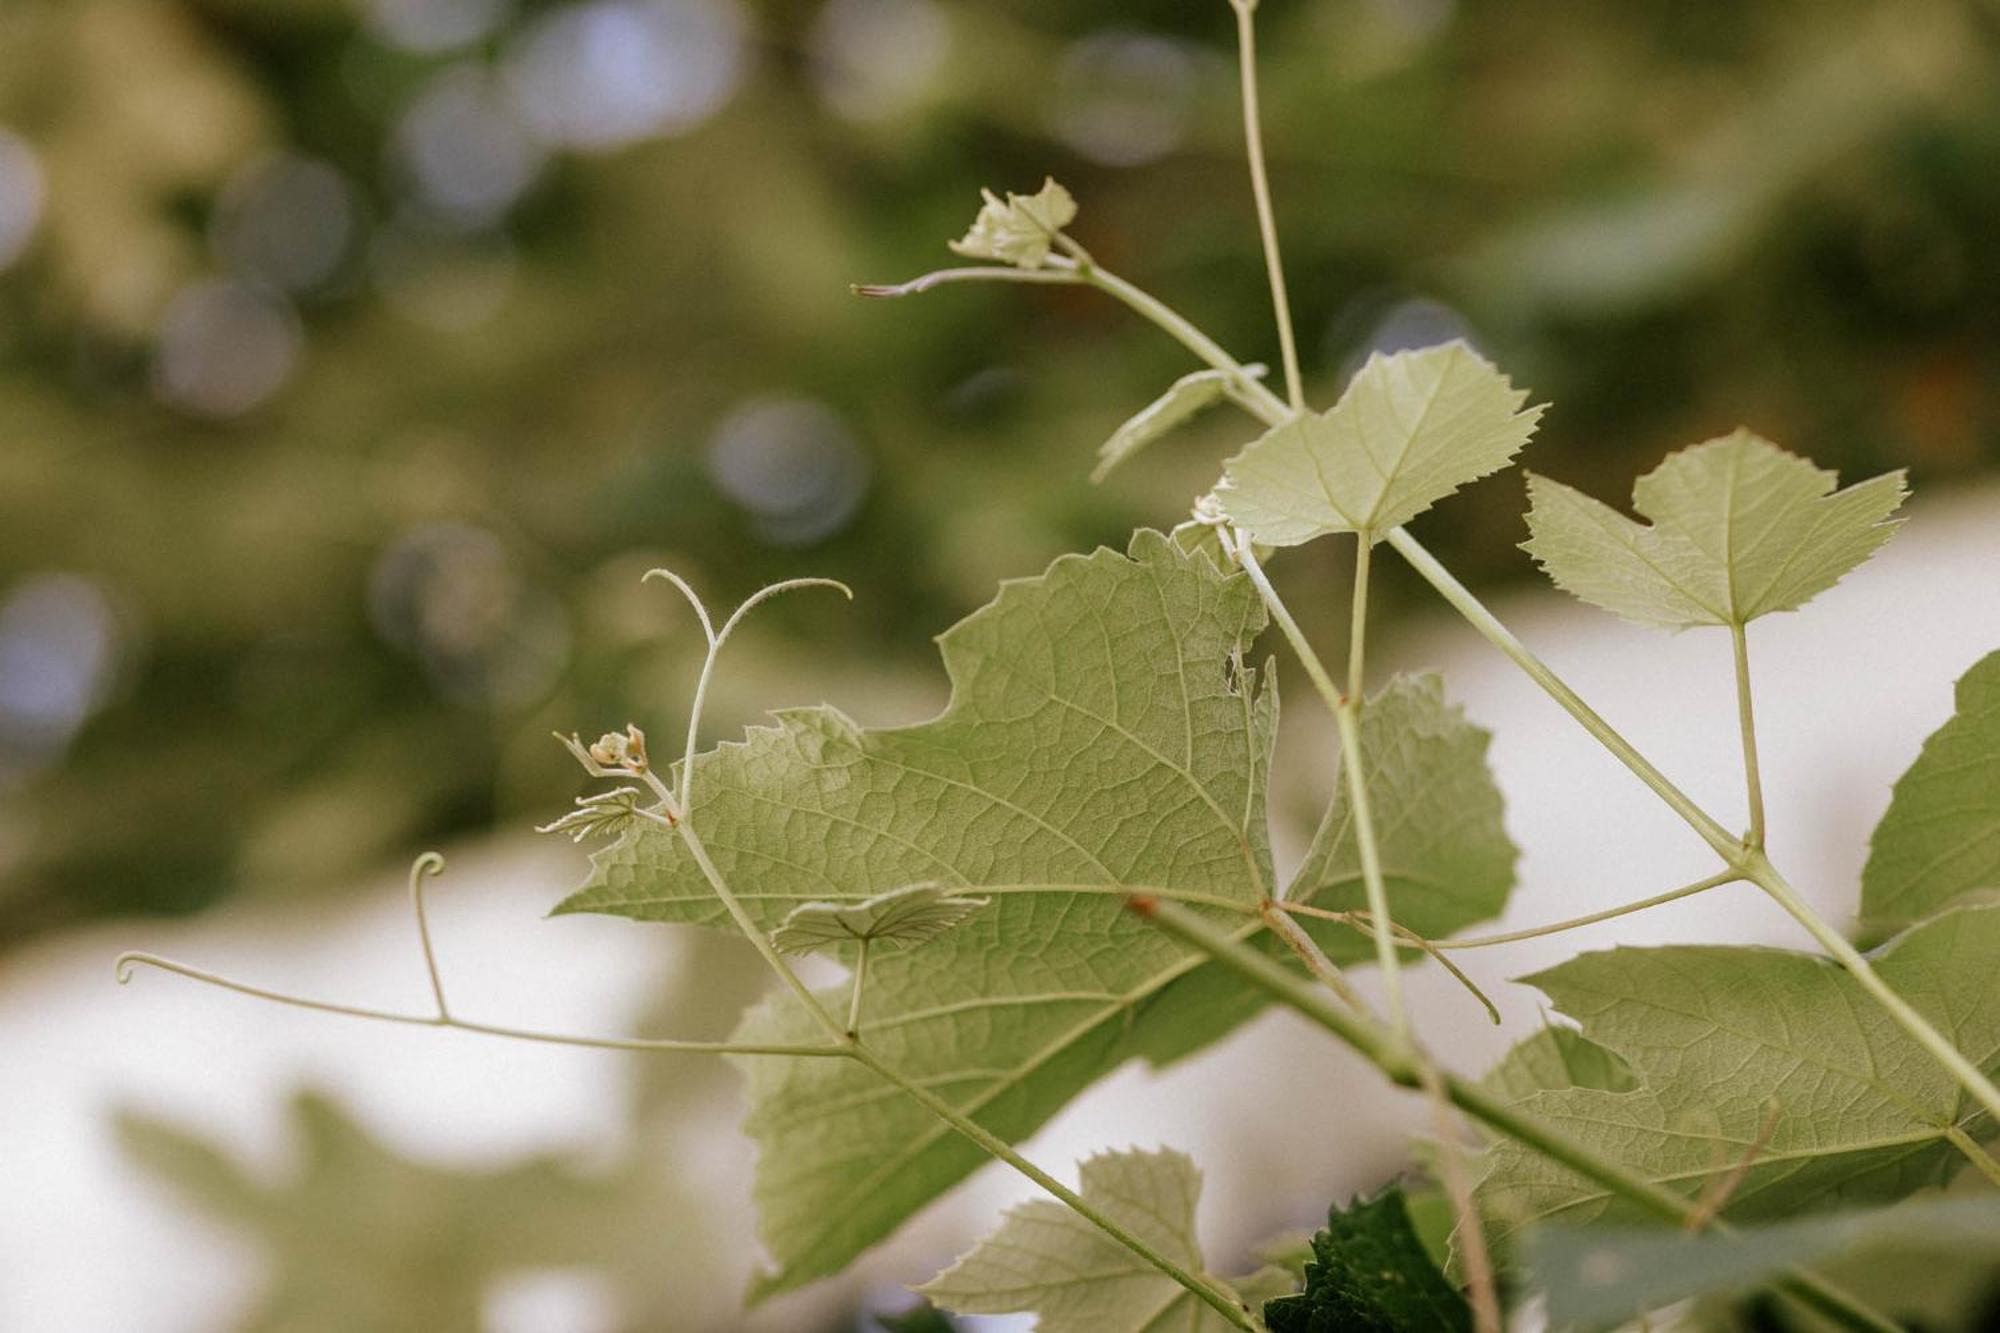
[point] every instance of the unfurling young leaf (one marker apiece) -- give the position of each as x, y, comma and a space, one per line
1721, 1038
1371, 1274
1737, 528
909, 915
1184, 398
1412, 428
1019, 229
1046, 1260
1940, 840
1596, 1277
603, 814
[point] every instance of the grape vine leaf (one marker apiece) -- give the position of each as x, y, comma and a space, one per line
1718, 1037
1185, 398
910, 915
1371, 1274
1103, 735
363, 1238
1940, 839
1046, 1260
1737, 528
1019, 229
1411, 428
1599, 1276
1439, 831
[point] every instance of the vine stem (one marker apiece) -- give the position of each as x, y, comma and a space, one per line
1726, 844
1746, 719
1357, 612
1592, 918
127, 961
1369, 1039
1260, 190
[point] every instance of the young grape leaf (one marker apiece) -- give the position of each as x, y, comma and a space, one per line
1599, 1276
1019, 229
1186, 397
1718, 1037
1371, 1274
1737, 528
1940, 839
912, 914
1412, 428
1446, 858
1103, 736
1046, 1260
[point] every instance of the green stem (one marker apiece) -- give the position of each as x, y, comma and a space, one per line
1369, 1039
1260, 190
759, 940
1372, 881
1200, 1285
126, 962
1357, 626
1973, 1153
1765, 875
1725, 843
1746, 721
1256, 395
1591, 919
1330, 694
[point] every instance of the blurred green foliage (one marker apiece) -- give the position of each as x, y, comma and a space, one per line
306, 544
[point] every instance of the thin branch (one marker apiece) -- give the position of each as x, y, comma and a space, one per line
976, 273
1260, 190
1471, 1232
1360, 921
1276, 915
127, 961
1357, 620
1746, 721
1592, 918
1725, 843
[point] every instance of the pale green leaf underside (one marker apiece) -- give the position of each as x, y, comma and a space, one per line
910, 915
1412, 428
1102, 736
1019, 229
1940, 839
1737, 528
1046, 1260
1716, 1035
1446, 858
1598, 1276
1186, 397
